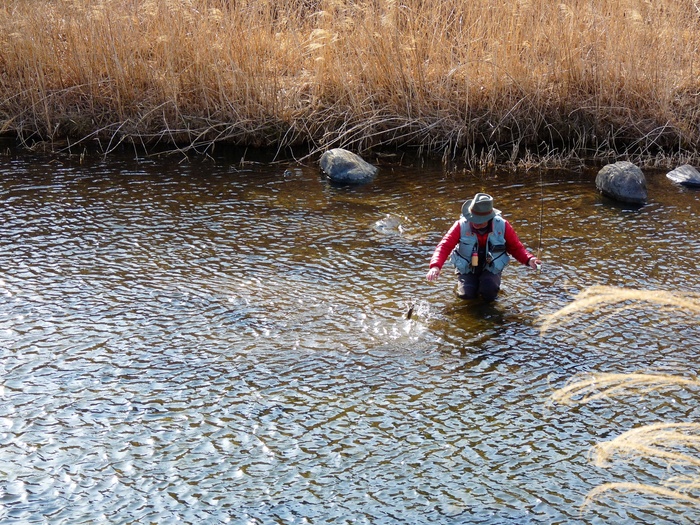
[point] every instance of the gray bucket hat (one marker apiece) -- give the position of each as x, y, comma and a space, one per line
479, 209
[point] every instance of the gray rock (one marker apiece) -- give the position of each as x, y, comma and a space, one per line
685, 175
345, 167
389, 225
622, 181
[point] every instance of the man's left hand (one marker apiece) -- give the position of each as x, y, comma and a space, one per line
534, 263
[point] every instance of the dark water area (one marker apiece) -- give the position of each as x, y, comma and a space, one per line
218, 342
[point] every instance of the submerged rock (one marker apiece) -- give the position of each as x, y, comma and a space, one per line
345, 167
390, 225
622, 181
399, 227
686, 175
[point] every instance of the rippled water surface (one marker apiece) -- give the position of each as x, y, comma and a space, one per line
217, 342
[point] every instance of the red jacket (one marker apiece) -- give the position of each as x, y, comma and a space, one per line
451, 239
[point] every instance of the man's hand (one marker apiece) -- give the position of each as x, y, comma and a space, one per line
534, 263
433, 274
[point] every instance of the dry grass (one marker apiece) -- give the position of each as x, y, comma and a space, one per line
677, 444
449, 78
650, 490
592, 387
607, 300
672, 442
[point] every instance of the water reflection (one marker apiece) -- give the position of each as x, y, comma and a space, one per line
212, 342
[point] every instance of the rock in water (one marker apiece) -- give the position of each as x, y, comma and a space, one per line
389, 225
685, 175
345, 167
622, 181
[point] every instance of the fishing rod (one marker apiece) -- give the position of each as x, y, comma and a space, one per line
539, 240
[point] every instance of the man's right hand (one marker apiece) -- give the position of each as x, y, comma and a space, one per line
433, 274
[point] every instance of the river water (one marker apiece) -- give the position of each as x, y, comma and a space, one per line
219, 341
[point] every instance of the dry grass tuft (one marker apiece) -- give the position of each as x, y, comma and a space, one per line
683, 483
599, 298
672, 442
678, 444
651, 490
675, 443
591, 387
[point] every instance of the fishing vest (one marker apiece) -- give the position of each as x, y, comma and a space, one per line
496, 256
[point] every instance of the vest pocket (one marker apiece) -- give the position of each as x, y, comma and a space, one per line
459, 261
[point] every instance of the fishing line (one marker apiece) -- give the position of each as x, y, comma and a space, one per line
539, 241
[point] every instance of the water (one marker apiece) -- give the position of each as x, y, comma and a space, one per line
224, 342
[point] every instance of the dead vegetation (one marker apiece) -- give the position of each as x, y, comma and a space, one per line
675, 443
482, 81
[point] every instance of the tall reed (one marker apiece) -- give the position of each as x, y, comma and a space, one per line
448, 77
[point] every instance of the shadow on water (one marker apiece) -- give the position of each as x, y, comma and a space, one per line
226, 341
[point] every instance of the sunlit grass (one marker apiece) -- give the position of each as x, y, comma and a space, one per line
562, 79
592, 387
609, 300
672, 442
611, 489
676, 444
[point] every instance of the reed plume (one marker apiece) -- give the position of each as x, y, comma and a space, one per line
677, 444
591, 387
640, 488
599, 298
672, 442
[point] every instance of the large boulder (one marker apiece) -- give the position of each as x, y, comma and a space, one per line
685, 175
622, 181
345, 167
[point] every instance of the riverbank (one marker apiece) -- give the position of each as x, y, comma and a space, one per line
526, 81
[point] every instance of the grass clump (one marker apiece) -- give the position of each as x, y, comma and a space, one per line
674, 496
675, 443
607, 300
448, 78
592, 387
660, 440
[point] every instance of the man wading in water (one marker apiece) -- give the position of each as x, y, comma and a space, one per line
479, 245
